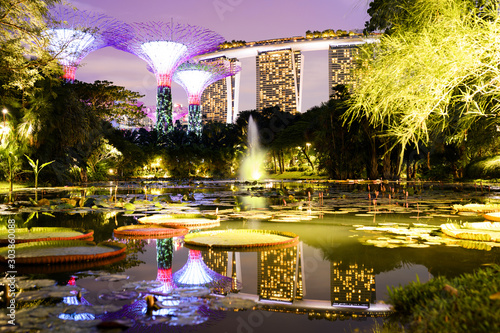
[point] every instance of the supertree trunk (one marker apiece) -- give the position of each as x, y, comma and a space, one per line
194, 124
164, 111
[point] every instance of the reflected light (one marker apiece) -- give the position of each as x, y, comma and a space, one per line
77, 316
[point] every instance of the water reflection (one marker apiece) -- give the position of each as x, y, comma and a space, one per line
332, 262
164, 257
196, 273
280, 274
281, 279
352, 284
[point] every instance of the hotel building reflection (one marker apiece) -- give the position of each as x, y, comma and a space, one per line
352, 284
280, 275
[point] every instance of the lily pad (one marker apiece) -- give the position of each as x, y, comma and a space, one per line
182, 220
495, 216
143, 285
240, 238
23, 235
148, 231
112, 277
470, 233
62, 252
119, 295
235, 303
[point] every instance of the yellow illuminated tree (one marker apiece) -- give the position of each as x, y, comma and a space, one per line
436, 73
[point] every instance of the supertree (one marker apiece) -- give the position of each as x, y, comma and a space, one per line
73, 34
164, 46
195, 78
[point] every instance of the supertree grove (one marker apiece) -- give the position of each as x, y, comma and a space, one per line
164, 46
73, 34
195, 77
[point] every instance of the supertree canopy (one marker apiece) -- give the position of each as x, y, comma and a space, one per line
164, 46
73, 34
195, 78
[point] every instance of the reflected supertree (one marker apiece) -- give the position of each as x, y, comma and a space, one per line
164, 257
76, 300
196, 273
195, 78
164, 46
72, 34
181, 307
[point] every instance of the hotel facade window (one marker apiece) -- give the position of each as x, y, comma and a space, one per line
219, 101
340, 66
279, 80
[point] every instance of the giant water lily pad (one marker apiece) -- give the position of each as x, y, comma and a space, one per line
62, 252
477, 208
148, 231
241, 238
23, 235
182, 220
495, 216
469, 232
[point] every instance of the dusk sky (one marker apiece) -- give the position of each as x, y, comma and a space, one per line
249, 20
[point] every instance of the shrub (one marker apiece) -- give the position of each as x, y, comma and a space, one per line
468, 303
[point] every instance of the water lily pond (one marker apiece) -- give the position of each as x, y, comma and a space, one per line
293, 256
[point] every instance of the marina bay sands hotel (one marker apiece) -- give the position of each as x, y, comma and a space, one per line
279, 72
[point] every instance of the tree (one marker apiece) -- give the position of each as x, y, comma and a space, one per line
109, 101
386, 15
23, 55
418, 82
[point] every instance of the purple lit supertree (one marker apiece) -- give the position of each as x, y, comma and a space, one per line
195, 78
73, 34
164, 46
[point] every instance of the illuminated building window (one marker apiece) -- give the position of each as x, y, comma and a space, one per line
341, 64
279, 80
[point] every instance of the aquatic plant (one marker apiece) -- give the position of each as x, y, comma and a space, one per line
36, 171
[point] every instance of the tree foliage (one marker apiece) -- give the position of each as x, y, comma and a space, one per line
437, 72
109, 101
23, 55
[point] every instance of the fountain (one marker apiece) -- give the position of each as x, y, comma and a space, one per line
252, 166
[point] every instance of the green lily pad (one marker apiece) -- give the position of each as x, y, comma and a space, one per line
129, 207
23, 235
240, 238
182, 220
62, 251
149, 231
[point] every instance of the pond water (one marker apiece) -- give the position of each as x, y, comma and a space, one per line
355, 240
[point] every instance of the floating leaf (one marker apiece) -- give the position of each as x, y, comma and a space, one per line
143, 285
129, 207
240, 238
112, 277
119, 295
235, 303
191, 292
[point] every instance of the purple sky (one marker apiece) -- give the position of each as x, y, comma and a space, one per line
249, 20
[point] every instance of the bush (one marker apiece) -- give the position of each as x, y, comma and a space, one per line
485, 168
464, 304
